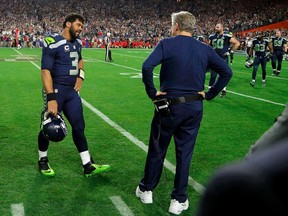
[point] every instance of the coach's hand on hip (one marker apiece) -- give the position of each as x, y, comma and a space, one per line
159, 93
202, 94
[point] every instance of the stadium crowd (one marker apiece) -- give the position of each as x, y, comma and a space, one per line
132, 23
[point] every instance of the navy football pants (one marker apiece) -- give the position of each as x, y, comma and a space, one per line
70, 103
277, 56
257, 61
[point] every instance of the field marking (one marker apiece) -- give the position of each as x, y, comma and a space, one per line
132, 51
111, 63
121, 206
17, 51
255, 98
17, 209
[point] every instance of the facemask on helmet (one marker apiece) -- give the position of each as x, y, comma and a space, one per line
248, 63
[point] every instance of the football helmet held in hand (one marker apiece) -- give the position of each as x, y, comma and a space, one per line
53, 127
248, 63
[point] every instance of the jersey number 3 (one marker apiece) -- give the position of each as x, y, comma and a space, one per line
74, 61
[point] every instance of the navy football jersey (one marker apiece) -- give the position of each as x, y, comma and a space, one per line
61, 58
278, 43
220, 43
260, 47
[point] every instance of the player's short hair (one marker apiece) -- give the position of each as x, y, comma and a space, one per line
72, 18
186, 21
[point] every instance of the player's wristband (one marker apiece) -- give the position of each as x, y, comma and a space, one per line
81, 73
51, 96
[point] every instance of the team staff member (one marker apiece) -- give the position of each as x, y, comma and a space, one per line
279, 48
221, 42
62, 72
249, 41
260, 46
184, 62
108, 54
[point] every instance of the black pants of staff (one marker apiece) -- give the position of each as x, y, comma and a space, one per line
108, 54
256, 186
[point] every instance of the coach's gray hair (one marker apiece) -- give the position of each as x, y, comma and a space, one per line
186, 21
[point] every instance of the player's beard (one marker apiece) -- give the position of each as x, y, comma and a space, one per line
72, 33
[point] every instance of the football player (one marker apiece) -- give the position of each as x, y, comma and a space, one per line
221, 42
62, 73
259, 45
279, 48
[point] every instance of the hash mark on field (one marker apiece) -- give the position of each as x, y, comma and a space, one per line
121, 206
17, 209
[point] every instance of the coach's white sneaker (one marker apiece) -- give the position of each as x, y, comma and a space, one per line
145, 196
176, 207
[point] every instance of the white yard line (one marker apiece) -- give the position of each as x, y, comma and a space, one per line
123, 209
255, 98
17, 209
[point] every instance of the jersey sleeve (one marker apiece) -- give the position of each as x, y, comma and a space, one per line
48, 54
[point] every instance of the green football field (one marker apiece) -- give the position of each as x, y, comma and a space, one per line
118, 114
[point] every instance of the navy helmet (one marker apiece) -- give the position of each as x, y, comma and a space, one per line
53, 127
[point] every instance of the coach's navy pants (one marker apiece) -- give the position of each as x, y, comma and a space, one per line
183, 124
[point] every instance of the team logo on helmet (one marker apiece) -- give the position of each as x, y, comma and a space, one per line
53, 127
